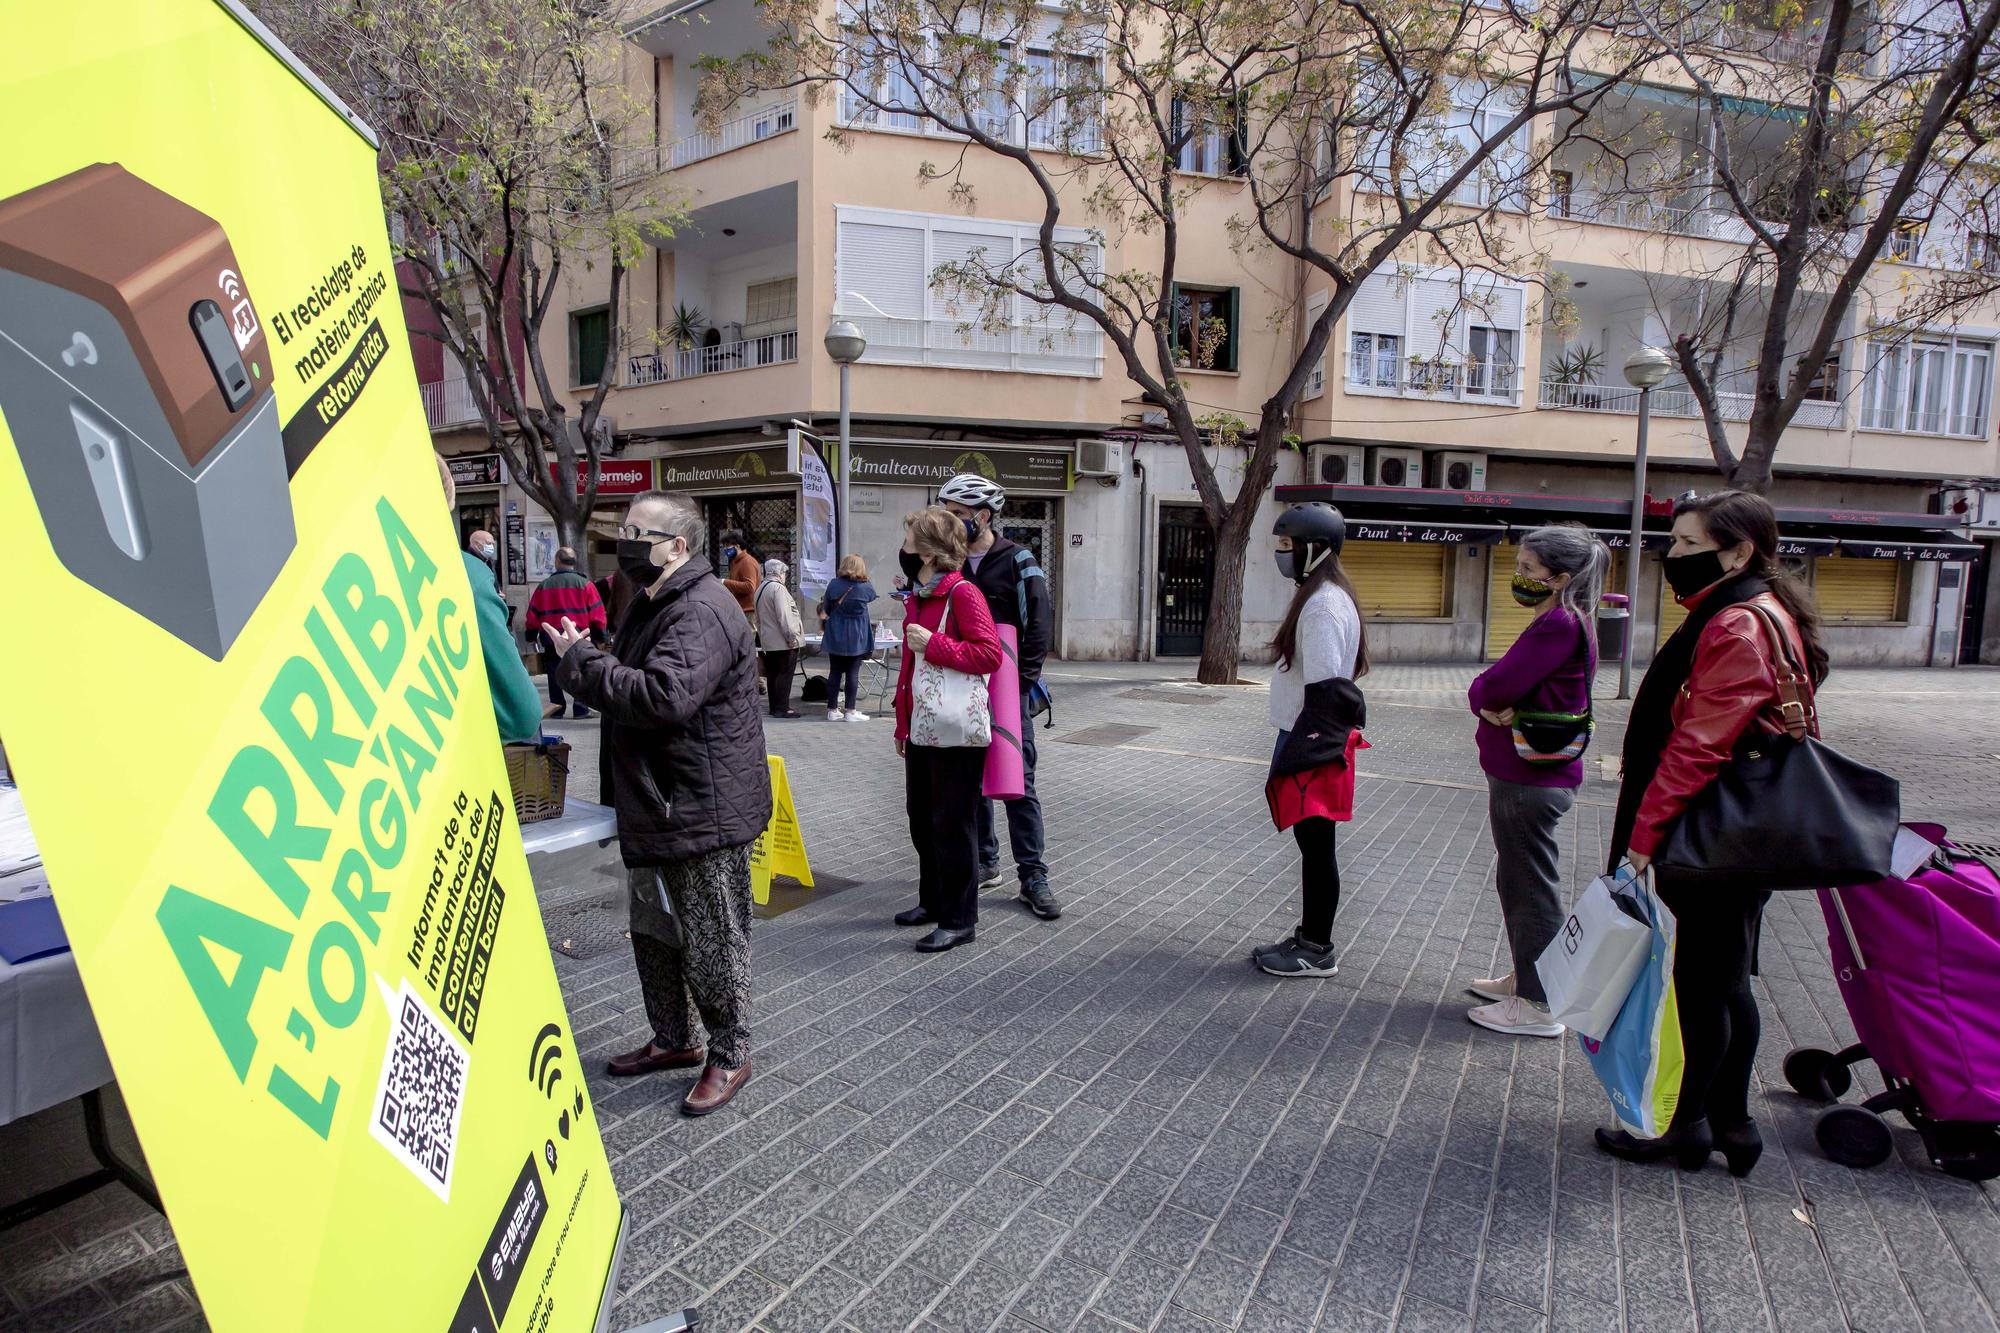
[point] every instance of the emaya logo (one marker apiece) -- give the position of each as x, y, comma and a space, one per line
752, 464
974, 461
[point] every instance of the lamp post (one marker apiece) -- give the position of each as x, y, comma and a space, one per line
1643, 371
845, 345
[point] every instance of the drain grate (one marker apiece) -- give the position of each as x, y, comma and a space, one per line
1170, 696
1106, 734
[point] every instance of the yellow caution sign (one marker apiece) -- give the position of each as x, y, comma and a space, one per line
780, 849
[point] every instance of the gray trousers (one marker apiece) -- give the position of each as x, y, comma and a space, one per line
1524, 823
694, 960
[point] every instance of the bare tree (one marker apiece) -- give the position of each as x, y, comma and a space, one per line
1841, 153
1363, 133
511, 156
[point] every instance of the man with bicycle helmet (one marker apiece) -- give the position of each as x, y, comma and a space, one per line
1017, 592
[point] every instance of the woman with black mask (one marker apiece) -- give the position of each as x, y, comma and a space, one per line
1322, 649
1712, 683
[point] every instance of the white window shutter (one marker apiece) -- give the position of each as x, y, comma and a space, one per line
951, 306
1380, 306
1316, 376
880, 268
1436, 321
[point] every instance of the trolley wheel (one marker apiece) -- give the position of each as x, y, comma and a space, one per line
1853, 1136
1817, 1074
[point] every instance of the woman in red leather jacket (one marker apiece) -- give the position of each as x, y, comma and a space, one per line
1715, 679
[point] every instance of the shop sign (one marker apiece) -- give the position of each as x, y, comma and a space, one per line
617, 476
1867, 550
517, 546
931, 465
476, 470
1433, 534
730, 469
301, 911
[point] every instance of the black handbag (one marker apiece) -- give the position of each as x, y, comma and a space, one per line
1787, 812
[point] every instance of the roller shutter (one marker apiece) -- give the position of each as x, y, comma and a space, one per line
1672, 613
1398, 580
1858, 592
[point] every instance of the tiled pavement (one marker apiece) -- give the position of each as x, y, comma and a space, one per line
1113, 1122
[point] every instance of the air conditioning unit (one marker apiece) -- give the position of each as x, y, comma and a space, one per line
1978, 509
1458, 472
1337, 465
1100, 458
1396, 467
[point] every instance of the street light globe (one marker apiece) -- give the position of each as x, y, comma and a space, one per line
1645, 368
844, 342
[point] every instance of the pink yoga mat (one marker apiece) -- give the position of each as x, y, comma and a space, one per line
1004, 776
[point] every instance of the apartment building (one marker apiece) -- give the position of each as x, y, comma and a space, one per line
1443, 426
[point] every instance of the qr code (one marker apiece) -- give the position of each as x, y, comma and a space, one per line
422, 1092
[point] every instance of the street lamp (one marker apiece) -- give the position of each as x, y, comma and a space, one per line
845, 345
1643, 371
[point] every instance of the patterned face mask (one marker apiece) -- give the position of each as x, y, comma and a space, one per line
1531, 592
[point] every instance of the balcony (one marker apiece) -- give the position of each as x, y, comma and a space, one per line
1642, 214
1565, 396
755, 126
1498, 385
772, 349
448, 403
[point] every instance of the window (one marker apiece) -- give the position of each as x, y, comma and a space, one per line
1436, 333
1562, 185
1375, 360
885, 263
1316, 377
1056, 106
589, 342
1825, 386
1205, 324
1490, 369
1933, 384
877, 86
1982, 251
771, 307
1435, 149
1214, 140
1905, 244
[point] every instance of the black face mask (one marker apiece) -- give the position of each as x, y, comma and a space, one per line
912, 563
635, 558
1689, 574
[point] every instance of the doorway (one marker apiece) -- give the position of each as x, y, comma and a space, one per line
1187, 574
1035, 524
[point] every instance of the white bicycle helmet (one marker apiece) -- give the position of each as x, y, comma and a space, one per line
974, 492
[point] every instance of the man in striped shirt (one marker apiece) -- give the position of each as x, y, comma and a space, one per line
564, 594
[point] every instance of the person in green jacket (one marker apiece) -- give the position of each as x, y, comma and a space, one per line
517, 704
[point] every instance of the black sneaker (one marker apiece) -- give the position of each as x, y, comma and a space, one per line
1040, 901
989, 877
1294, 957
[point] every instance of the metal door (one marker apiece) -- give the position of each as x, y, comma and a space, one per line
769, 524
1187, 572
1036, 525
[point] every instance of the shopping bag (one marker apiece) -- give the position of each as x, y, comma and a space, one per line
948, 708
1640, 1059
1588, 968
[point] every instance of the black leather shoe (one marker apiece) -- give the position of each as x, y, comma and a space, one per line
1740, 1146
916, 916
1689, 1146
941, 939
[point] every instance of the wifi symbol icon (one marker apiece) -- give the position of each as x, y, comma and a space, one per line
545, 1059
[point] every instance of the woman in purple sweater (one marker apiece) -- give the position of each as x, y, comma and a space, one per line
1531, 780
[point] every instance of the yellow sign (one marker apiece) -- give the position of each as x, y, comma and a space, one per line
780, 848
262, 766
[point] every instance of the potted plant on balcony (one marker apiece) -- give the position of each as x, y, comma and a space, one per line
684, 327
1576, 370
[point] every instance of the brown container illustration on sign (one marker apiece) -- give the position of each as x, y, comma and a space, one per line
134, 379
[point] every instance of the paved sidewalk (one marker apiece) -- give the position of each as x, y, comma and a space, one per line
1114, 1122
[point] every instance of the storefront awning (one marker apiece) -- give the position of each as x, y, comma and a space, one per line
1861, 548
1435, 534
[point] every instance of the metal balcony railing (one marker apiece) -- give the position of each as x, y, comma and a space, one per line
766, 122
1620, 210
448, 403
1676, 402
772, 349
1474, 381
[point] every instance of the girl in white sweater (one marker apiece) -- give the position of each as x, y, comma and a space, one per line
1311, 791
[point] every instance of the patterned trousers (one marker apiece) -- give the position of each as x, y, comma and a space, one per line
700, 979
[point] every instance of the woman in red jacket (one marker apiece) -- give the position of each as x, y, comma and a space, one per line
946, 623
1709, 684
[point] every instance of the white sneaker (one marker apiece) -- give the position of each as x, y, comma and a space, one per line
1516, 1017
1494, 988
833, 715
857, 716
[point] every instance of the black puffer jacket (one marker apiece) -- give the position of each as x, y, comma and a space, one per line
683, 759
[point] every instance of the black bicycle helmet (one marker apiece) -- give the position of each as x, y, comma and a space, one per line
1317, 531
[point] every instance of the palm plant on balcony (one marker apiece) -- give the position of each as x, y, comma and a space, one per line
1576, 369
685, 326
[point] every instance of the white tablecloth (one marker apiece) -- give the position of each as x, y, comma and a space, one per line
49, 1047
581, 822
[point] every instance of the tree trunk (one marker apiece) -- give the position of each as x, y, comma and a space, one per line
1221, 643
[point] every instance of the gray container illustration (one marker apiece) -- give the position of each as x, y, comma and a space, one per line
135, 381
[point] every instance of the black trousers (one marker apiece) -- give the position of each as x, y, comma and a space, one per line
1715, 952
942, 791
845, 676
1319, 878
550, 656
778, 668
